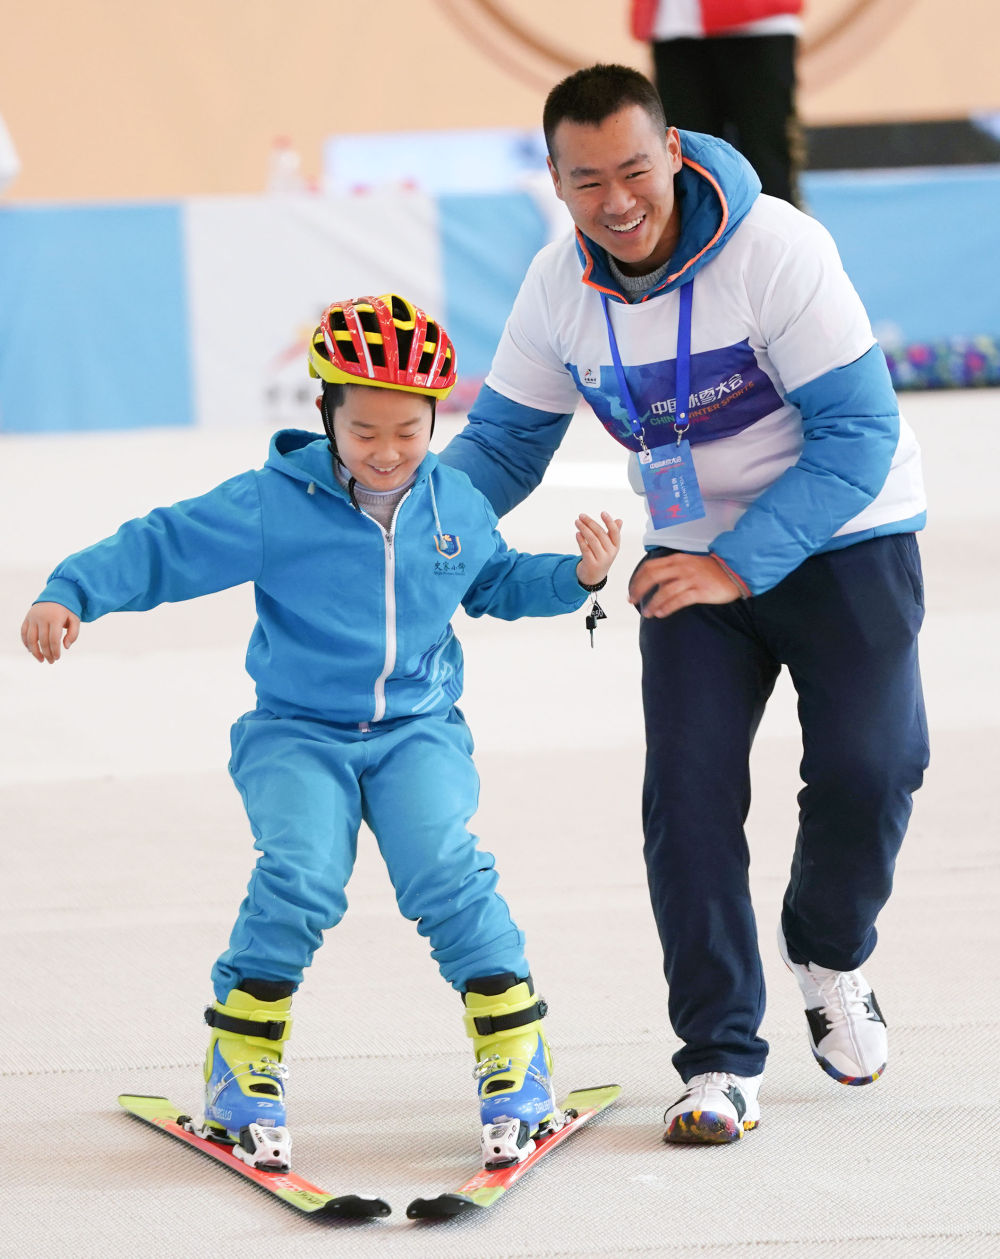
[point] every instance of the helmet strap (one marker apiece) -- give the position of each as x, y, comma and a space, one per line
327, 415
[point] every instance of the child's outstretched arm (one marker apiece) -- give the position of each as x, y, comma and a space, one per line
512, 584
48, 628
598, 547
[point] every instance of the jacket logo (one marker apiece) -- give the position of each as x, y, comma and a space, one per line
448, 544
710, 398
590, 377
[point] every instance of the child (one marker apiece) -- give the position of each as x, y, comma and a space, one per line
358, 563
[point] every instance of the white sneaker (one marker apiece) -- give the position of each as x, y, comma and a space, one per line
718, 1107
846, 1028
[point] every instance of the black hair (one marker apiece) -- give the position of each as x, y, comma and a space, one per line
595, 93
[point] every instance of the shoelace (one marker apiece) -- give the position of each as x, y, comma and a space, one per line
495, 1065
721, 1079
844, 995
261, 1066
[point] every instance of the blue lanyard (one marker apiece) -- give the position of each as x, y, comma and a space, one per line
681, 421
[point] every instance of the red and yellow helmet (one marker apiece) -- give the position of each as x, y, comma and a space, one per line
383, 341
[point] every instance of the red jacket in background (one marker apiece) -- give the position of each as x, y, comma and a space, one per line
716, 15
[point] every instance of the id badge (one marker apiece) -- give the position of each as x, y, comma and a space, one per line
671, 485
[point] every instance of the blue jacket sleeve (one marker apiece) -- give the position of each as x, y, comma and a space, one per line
850, 422
512, 584
194, 548
505, 448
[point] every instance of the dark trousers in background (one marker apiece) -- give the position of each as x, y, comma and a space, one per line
845, 625
742, 88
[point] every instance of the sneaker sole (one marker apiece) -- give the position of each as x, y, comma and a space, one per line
852, 1080
706, 1127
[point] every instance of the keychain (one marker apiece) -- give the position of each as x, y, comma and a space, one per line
595, 614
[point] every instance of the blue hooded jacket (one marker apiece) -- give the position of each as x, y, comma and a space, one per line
353, 622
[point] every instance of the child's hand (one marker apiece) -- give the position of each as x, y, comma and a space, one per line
43, 630
598, 547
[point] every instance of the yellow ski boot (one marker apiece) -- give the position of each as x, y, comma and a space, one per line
245, 1077
513, 1067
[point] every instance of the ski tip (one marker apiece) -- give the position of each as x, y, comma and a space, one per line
443, 1207
352, 1206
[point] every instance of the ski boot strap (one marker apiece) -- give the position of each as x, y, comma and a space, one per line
269, 1029
500, 1006
490, 1024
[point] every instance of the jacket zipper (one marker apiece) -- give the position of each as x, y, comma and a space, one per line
388, 540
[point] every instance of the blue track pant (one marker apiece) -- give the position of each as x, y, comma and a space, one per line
307, 786
845, 625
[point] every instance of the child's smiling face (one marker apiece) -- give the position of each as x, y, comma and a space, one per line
382, 435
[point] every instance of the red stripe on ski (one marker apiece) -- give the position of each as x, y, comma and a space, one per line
224, 1154
288, 1187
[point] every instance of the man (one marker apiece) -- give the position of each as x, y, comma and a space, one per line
714, 333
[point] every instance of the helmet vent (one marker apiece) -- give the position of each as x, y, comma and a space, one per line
404, 339
342, 336
431, 339
373, 334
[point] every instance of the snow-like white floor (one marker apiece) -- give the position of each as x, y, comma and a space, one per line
125, 852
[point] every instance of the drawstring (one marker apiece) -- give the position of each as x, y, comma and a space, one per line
434, 509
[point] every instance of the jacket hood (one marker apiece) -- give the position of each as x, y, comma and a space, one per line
305, 456
715, 188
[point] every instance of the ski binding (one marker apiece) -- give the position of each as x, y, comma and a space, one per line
262, 1157
507, 1159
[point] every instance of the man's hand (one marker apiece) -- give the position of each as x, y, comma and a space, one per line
662, 586
598, 547
48, 628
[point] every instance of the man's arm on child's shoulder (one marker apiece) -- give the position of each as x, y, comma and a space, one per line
505, 447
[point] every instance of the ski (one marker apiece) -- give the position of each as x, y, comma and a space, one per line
288, 1187
486, 1186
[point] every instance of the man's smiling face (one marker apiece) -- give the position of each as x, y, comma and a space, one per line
617, 180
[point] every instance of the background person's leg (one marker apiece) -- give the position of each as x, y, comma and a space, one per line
685, 81
754, 77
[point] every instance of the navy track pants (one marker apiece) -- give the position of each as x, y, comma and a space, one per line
845, 625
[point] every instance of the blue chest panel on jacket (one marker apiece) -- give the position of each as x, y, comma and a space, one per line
729, 392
